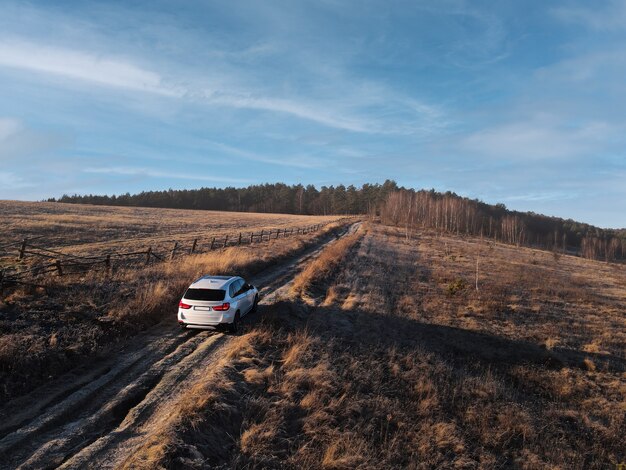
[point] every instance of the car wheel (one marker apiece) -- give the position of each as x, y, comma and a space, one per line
255, 304
235, 326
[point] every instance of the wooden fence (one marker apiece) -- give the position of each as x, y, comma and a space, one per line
59, 263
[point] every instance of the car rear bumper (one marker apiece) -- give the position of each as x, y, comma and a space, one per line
200, 327
204, 319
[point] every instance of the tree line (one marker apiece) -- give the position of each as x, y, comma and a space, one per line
277, 197
395, 205
449, 212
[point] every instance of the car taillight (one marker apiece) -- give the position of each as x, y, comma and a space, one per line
183, 305
222, 308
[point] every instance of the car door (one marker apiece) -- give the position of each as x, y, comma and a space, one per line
250, 293
233, 292
241, 296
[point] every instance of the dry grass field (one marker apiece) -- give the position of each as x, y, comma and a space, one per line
46, 330
372, 350
84, 229
385, 355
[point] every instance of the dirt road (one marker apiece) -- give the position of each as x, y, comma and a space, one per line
97, 414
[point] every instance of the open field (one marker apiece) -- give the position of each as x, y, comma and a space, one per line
394, 360
84, 229
101, 409
372, 351
47, 328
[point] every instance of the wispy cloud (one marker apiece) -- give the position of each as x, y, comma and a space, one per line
8, 127
485, 39
24, 144
81, 65
355, 111
543, 137
152, 173
541, 196
10, 181
293, 108
298, 161
608, 17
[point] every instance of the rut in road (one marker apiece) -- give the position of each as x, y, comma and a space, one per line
94, 415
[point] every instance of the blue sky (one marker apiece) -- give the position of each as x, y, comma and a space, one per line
516, 102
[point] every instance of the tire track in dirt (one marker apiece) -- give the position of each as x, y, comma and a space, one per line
89, 417
86, 399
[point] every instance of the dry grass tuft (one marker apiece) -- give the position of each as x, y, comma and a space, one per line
325, 264
589, 364
300, 344
345, 453
551, 343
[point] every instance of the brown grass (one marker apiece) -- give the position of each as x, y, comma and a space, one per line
325, 264
90, 230
44, 332
210, 407
406, 375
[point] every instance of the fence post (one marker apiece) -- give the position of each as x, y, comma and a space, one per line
239, 242
174, 250
22, 249
261, 236
225, 241
107, 262
57, 263
278, 233
195, 244
251, 236
212, 243
148, 253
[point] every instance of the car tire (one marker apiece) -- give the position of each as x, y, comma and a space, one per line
235, 326
255, 305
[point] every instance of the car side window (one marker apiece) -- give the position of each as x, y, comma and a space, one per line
242, 286
238, 287
232, 290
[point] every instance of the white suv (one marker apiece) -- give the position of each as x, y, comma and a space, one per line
214, 301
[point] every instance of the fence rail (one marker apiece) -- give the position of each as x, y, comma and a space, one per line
63, 264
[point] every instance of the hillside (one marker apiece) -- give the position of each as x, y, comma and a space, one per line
395, 360
430, 209
374, 346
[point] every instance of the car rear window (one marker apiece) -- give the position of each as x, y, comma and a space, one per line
212, 295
